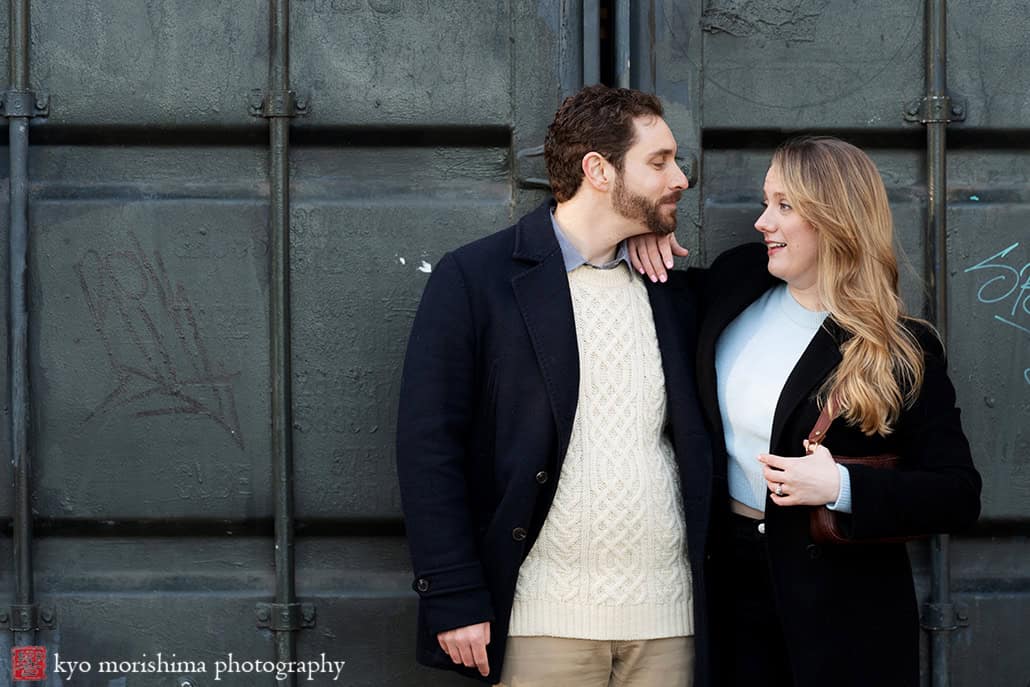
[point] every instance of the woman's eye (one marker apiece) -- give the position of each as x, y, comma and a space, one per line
657, 165
785, 207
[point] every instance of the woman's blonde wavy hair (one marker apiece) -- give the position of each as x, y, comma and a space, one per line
837, 189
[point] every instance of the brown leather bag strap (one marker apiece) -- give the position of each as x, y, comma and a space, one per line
822, 425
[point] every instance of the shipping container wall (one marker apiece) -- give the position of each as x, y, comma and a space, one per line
150, 295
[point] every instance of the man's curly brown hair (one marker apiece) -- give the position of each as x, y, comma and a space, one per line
596, 119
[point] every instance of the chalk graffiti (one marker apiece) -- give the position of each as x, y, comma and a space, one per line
148, 326
1007, 283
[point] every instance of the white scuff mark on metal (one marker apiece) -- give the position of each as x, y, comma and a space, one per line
425, 267
402, 261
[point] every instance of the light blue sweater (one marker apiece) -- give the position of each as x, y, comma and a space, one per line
753, 358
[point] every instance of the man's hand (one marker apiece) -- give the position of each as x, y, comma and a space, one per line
467, 645
652, 254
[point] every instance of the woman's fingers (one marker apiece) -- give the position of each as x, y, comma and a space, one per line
634, 255
677, 249
657, 271
649, 254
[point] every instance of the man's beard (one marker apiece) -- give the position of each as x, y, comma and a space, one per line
634, 207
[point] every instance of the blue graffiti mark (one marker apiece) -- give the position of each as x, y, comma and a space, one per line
1008, 272
1007, 282
1002, 319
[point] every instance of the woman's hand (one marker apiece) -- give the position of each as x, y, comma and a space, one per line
652, 254
806, 481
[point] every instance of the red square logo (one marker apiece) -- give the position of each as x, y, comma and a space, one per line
28, 663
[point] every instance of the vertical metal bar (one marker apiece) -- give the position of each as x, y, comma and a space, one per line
936, 132
282, 422
18, 131
17, 321
591, 42
19, 44
623, 43
936, 266
644, 60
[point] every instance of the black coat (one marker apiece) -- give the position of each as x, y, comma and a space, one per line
488, 397
848, 612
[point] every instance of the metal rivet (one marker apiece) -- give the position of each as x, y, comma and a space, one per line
263, 614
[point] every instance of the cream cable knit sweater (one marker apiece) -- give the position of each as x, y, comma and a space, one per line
610, 562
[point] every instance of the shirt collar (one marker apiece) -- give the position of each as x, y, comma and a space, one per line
573, 259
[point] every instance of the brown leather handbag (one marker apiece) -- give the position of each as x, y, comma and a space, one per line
824, 526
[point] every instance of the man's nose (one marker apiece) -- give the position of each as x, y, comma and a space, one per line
681, 181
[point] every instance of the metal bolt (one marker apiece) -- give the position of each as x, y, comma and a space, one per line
262, 614
956, 110
913, 109
309, 614
186, 683
4, 617
48, 615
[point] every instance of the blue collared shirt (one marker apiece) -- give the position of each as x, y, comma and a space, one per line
573, 259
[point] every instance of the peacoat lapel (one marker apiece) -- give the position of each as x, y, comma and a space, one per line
818, 360
545, 302
674, 325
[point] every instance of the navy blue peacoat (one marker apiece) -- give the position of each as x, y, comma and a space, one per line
487, 402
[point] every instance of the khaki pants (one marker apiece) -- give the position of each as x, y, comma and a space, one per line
557, 662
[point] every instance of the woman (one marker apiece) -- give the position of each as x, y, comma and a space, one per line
808, 318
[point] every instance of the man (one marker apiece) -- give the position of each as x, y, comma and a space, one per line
551, 495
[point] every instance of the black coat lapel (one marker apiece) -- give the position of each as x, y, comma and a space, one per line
674, 325
818, 360
542, 293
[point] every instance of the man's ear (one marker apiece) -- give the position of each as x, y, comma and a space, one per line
597, 171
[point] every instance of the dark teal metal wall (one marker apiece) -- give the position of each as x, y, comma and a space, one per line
149, 295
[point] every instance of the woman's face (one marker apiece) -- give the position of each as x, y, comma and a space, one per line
791, 243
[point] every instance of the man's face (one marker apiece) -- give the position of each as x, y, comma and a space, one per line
651, 182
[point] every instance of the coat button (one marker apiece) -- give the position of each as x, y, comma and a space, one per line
519, 534
761, 527
541, 477
814, 551
422, 585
